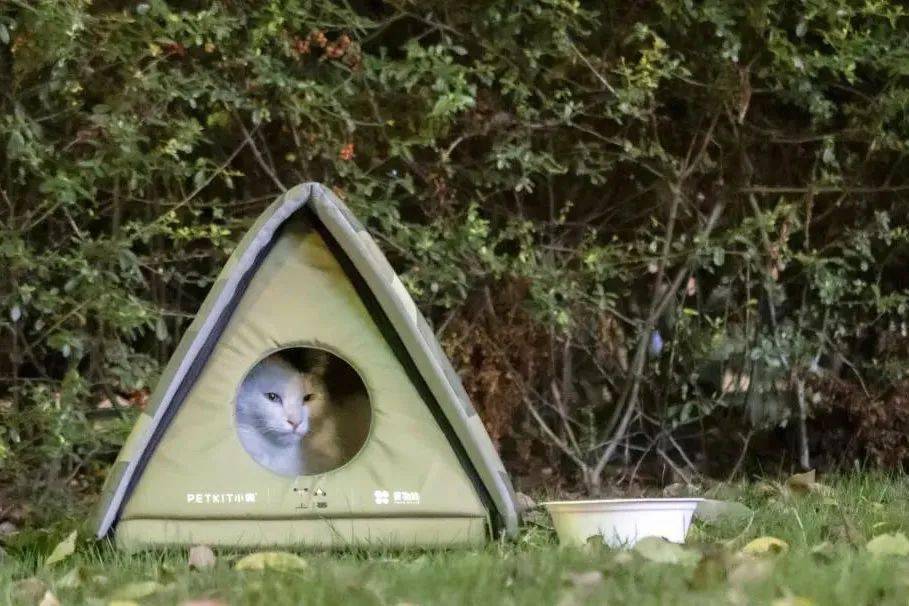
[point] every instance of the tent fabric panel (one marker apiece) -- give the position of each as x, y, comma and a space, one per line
403, 315
300, 295
114, 476
376, 271
379, 533
218, 299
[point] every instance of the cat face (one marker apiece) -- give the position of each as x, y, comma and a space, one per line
277, 400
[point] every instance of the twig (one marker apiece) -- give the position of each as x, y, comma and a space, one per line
630, 403
804, 455
820, 189
258, 154
592, 69
681, 452
738, 464
552, 436
674, 467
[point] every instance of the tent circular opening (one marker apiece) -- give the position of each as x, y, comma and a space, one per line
302, 411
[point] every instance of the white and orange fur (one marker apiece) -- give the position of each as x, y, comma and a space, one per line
286, 420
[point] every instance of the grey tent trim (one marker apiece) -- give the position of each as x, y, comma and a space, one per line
395, 302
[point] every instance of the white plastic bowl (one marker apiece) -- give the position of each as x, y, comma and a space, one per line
622, 522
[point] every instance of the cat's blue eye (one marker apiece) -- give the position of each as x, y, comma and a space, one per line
273, 397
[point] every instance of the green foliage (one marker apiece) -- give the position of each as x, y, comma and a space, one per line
574, 149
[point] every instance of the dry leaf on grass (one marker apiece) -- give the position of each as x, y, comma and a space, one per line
711, 569
712, 510
201, 556
28, 591
63, 550
71, 579
525, 503
275, 560
583, 584
137, 590
805, 483
793, 600
750, 571
660, 550
49, 599
824, 551
766, 545
204, 602
590, 578
895, 544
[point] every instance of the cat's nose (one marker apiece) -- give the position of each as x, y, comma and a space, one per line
293, 424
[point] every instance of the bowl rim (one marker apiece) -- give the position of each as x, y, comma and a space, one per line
646, 500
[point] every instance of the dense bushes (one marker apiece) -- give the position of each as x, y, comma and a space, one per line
639, 227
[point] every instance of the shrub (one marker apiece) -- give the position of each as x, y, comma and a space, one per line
687, 209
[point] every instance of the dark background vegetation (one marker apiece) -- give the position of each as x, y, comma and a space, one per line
662, 241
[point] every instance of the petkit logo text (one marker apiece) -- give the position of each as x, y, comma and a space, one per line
223, 498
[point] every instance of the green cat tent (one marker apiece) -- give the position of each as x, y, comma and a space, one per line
309, 275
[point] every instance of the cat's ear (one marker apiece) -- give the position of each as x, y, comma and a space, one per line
317, 361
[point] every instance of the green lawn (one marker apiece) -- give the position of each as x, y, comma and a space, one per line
827, 563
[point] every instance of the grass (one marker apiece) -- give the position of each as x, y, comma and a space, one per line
827, 563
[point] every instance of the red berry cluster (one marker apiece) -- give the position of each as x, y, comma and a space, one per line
347, 152
341, 48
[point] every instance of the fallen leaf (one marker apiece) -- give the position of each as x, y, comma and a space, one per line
660, 550
805, 483
792, 600
28, 591
711, 569
823, 551
71, 579
765, 545
524, 502
802, 481
766, 489
691, 287
676, 489
583, 584
123, 603
750, 571
276, 560
711, 510
137, 590
201, 556
63, 550
895, 544
204, 602
590, 578
49, 599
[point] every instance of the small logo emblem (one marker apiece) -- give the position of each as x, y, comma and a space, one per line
406, 497
382, 497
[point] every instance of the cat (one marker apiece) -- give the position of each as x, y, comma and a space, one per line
285, 419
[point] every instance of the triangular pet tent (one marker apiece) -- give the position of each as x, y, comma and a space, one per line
308, 275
